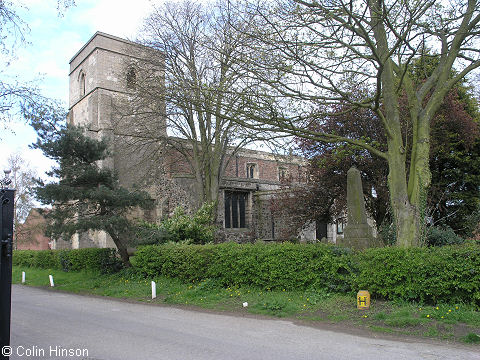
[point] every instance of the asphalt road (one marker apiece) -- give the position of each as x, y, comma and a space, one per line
46, 324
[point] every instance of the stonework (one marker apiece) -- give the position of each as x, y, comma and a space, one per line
358, 233
98, 81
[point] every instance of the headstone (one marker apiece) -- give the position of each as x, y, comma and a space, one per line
357, 234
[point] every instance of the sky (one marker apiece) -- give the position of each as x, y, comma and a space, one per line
52, 41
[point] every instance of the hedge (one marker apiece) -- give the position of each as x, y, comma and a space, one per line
428, 275
90, 259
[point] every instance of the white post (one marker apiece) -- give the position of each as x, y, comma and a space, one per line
51, 280
154, 290
23, 277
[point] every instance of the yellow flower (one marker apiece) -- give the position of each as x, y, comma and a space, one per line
428, 316
436, 308
456, 307
442, 317
449, 310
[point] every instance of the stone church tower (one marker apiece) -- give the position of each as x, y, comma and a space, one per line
101, 75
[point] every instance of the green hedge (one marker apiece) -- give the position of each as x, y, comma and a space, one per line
92, 259
446, 274
274, 266
436, 274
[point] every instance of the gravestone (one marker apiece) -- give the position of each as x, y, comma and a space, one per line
357, 234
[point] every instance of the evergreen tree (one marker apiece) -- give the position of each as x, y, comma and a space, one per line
84, 195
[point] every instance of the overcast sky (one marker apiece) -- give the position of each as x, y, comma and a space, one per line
52, 42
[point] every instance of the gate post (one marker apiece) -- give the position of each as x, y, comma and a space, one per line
6, 246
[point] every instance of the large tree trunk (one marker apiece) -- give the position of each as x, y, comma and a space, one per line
404, 213
122, 249
407, 214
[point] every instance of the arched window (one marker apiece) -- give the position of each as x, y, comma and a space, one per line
82, 83
131, 78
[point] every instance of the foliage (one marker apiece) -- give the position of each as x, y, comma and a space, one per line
309, 56
179, 228
13, 33
90, 259
440, 236
454, 193
437, 274
85, 196
147, 233
386, 232
196, 229
22, 176
446, 274
275, 266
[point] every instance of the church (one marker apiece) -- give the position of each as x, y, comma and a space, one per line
100, 80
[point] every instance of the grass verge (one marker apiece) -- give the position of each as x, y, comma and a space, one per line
456, 322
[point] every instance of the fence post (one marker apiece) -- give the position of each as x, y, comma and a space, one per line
6, 246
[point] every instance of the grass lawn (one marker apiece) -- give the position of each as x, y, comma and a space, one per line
457, 322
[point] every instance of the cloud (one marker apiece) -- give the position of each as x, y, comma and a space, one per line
123, 19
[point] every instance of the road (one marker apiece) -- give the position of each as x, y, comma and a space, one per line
47, 324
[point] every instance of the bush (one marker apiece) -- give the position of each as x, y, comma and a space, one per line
149, 234
430, 275
196, 229
269, 266
91, 259
180, 228
441, 236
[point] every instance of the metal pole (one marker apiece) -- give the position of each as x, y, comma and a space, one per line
6, 232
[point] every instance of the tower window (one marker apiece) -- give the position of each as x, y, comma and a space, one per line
82, 83
252, 171
235, 209
131, 78
282, 173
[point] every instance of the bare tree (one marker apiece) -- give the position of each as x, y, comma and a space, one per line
198, 89
22, 175
312, 54
13, 32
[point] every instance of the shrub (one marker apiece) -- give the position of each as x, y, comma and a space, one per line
149, 234
180, 228
92, 259
441, 236
194, 229
430, 275
269, 266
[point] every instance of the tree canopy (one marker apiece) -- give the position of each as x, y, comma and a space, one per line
193, 82
309, 55
454, 196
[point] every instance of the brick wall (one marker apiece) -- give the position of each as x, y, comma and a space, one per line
30, 234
